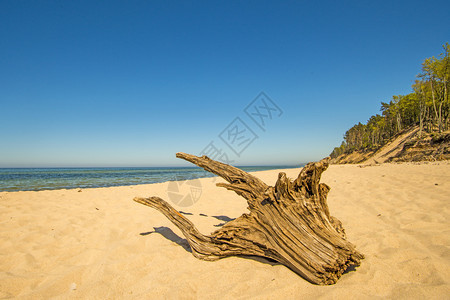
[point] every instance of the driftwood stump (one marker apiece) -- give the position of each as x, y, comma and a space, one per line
289, 223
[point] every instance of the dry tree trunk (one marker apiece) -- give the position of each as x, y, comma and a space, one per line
289, 223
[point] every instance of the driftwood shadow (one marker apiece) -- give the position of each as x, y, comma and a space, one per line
171, 236
224, 218
186, 213
350, 269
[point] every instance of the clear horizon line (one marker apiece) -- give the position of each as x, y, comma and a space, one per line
131, 167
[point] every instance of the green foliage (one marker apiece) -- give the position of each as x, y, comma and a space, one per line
427, 105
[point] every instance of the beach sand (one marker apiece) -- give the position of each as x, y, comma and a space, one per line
99, 244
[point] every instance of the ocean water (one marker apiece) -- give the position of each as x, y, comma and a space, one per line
36, 179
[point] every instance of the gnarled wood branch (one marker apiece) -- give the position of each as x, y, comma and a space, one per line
289, 223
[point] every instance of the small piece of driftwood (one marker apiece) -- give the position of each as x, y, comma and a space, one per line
289, 223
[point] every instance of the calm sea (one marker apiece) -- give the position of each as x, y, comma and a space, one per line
35, 179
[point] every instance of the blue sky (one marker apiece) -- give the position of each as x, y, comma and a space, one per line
130, 83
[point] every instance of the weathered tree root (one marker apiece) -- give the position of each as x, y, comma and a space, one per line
289, 223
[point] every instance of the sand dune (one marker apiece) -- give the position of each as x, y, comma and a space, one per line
99, 244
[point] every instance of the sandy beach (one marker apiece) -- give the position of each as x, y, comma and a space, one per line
99, 244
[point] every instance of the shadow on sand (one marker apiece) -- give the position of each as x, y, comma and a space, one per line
172, 236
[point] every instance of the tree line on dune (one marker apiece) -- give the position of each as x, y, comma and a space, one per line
427, 105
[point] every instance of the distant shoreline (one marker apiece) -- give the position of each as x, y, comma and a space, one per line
39, 179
